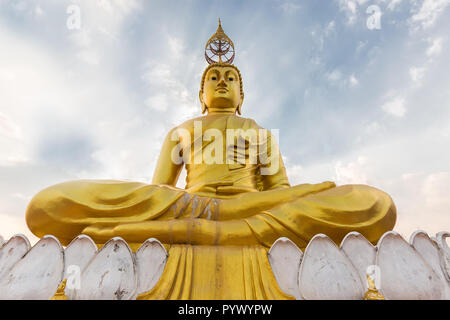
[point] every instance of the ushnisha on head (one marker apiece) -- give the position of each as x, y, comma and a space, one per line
221, 89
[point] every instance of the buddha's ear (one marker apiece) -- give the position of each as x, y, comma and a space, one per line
200, 96
238, 109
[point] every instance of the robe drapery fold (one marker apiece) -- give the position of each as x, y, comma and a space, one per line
136, 212
216, 273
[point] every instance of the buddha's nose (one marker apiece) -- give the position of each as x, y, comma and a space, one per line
222, 82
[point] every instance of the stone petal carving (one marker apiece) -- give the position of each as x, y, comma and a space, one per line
151, 259
326, 272
434, 240
12, 251
285, 258
429, 251
78, 254
111, 274
404, 274
360, 252
37, 275
444, 251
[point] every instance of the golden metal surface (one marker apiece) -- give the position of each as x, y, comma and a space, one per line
60, 292
221, 46
229, 212
372, 292
217, 273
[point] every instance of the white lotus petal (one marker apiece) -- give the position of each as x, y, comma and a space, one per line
327, 273
429, 251
360, 252
111, 274
37, 275
404, 273
285, 258
444, 252
11, 252
151, 259
78, 254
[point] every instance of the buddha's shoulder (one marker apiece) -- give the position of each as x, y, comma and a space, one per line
243, 122
188, 124
233, 121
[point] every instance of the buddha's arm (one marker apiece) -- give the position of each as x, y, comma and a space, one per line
272, 171
167, 171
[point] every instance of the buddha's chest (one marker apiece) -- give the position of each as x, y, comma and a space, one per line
234, 143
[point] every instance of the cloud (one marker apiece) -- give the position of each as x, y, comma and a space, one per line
290, 7
38, 11
334, 76
428, 13
435, 192
417, 74
350, 8
372, 128
393, 4
294, 172
176, 46
97, 102
420, 196
435, 47
428, 210
351, 173
8, 128
12, 225
395, 107
353, 81
331, 28
101, 23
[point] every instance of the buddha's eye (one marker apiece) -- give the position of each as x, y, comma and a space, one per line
213, 78
230, 79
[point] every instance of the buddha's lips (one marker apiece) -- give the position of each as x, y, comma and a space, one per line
220, 89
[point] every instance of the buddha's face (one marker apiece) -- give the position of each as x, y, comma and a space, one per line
221, 90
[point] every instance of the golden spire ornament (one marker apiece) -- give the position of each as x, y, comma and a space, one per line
219, 48
372, 292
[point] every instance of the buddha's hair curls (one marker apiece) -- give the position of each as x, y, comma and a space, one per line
218, 64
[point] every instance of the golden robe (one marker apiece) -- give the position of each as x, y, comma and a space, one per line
219, 229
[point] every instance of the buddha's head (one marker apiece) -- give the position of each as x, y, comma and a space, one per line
221, 89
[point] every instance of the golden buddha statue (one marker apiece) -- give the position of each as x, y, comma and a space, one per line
219, 228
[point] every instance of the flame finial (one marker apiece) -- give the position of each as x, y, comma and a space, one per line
219, 48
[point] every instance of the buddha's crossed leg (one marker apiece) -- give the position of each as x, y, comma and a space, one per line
335, 212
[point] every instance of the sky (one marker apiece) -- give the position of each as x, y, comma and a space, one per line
359, 90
